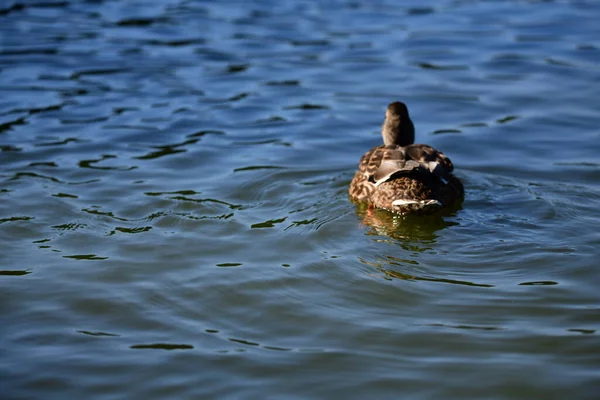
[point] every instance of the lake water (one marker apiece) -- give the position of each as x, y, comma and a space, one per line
174, 218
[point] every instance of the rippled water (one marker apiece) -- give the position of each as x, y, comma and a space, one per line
174, 217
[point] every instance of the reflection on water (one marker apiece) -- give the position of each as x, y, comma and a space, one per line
173, 200
414, 234
399, 275
407, 229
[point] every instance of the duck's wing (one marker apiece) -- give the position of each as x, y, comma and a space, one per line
382, 162
436, 161
362, 185
371, 161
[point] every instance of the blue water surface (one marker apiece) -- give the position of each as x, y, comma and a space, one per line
174, 217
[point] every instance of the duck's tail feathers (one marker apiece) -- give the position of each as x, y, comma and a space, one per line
409, 205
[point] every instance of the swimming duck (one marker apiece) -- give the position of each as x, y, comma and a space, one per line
401, 176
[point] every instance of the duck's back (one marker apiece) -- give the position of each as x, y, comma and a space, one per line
405, 178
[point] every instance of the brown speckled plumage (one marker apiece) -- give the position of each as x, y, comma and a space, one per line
404, 177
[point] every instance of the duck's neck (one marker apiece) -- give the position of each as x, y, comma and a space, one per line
396, 132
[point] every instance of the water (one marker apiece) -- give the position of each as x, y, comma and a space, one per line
174, 216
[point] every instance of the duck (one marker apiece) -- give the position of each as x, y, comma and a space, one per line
401, 176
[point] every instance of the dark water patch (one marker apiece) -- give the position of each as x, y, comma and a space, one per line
296, 224
181, 110
154, 216
579, 164
278, 142
90, 164
86, 257
308, 106
399, 261
14, 272
174, 42
166, 150
238, 97
46, 4
315, 42
142, 22
205, 132
178, 192
83, 182
24, 175
277, 348
207, 200
133, 230
442, 131
537, 38
428, 65
230, 264
235, 68
110, 214
69, 227
84, 120
122, 110
506, 119
162, 346
59, 142
244, 342
65, 195
15, 219
9, 148
586, 47
539, 283
420, 10
37, 110
99, 334
408, 277
275, 120
257, 167
583, 331
469, 327
5, 126
216, 55
360, 45
206, 217
289, 82
13, 8
101, 71
54, 107
29, 51
76, 92
268, 224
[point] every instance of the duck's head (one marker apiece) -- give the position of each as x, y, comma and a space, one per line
397, 128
